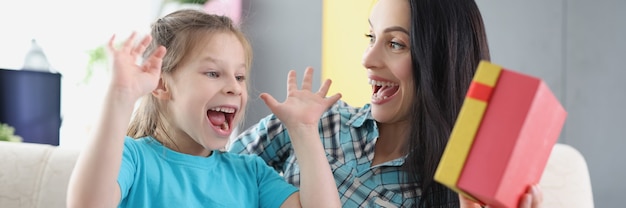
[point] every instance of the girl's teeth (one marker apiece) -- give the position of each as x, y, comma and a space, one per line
225, 110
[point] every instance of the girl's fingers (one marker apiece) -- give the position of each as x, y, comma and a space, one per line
156, 59
141, 47
308, 79
333, 99
159, 53
324, 89
127, 46
269, 100
291, 81
111, 46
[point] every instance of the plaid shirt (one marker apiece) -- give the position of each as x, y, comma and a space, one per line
349, 135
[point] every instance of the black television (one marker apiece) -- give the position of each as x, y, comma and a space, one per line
30, 101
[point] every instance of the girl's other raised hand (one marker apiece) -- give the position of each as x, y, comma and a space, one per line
302, 106
130, 78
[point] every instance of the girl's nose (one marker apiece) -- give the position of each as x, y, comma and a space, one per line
233, 87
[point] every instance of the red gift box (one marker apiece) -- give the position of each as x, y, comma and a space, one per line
502, 138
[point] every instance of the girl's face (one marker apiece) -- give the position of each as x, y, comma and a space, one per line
208, 94
388, 61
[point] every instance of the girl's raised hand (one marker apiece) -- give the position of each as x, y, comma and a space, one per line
302, 106
130, 78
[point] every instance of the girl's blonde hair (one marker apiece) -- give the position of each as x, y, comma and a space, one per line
179, 32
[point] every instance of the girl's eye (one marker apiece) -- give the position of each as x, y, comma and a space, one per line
396, 45
240, 78
370, 37
212, 74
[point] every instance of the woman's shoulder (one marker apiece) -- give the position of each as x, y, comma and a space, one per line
343, 113
343, 108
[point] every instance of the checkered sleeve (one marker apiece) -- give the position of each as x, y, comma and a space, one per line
268, 139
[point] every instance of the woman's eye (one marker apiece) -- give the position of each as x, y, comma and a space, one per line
370, 37
212, 74
240, 78
396, 45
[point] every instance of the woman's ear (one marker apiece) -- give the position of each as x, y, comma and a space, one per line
161, 92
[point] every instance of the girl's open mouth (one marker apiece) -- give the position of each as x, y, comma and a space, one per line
221, 119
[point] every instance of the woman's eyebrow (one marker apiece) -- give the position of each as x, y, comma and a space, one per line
396, 28
392, 29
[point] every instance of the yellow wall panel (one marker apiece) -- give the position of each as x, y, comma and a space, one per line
344, 25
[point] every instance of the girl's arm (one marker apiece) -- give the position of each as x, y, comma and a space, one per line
94, 179
301, 113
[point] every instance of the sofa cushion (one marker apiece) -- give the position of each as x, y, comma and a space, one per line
34, 175
565, 181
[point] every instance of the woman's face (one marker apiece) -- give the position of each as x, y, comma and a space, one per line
388, 61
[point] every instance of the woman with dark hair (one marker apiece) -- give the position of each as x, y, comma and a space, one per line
421, 58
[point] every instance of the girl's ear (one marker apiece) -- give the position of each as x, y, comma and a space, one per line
161, 92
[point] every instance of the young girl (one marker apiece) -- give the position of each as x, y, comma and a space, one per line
193, 97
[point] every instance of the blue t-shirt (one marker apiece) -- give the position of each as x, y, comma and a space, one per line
153, 175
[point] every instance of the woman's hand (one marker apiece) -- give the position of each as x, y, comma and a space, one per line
302, 107
467, 203
532, 199
130, 78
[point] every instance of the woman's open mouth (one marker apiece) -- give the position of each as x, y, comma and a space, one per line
382, 91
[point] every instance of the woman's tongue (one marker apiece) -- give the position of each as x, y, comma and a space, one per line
218, 119
385, 92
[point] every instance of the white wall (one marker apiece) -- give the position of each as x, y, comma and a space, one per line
67, 30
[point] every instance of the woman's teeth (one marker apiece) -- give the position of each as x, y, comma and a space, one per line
381, 83
382, 90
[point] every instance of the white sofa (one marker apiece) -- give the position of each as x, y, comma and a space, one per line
565, 181
36, 175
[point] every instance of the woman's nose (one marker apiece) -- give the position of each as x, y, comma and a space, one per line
371, 56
